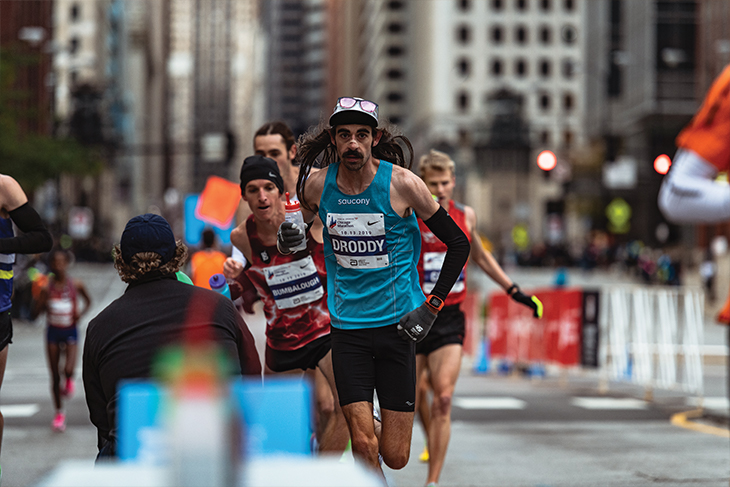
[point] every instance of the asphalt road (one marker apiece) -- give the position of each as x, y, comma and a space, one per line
507, 430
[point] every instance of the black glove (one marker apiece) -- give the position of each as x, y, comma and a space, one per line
529, 301
289, 236
415, 325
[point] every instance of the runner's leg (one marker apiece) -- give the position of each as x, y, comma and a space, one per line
3, 362
335, 436
70, 364
53, 353
359, 417
423, 406
395, 440
444, 364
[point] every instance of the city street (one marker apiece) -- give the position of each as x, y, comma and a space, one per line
507, 430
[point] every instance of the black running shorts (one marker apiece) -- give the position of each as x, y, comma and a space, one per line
448, 328
306, 357
377, 359
6, 330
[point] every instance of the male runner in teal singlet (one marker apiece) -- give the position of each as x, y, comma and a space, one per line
372, 243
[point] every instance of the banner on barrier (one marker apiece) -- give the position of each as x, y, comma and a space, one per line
518, 337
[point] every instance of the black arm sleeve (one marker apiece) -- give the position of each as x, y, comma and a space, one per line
35, 238
458, 248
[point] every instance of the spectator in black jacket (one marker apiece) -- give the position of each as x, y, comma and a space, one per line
123, 341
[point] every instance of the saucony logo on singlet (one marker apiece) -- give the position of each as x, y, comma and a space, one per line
353, 201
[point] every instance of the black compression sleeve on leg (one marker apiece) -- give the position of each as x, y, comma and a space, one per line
458, 248
35, 238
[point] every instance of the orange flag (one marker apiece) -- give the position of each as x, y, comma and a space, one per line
218, 202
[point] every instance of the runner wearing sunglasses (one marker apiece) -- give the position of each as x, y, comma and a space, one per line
372, 242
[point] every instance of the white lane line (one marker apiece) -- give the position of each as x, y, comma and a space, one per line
718, 402
489, 403
608, 403
19, 410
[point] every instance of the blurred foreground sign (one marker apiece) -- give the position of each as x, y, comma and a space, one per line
218, 202
193, 226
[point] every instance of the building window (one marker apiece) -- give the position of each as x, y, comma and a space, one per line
544, 102
567, 139
395, 51
74, 77
545, 5
545, 68
521, 34
497, 34
395, 5
395, 96
568, 68
462, 101
396, 119
521, 68
569, 5
521, 5
394, 74
546, 35
568, 102
395, 27
497, 5
497, 68
463, 66
463, 34
569, 34
73, 45
545, 137
463, 5
75, 12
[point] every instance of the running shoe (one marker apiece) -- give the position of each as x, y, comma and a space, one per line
70, 388
59, 422
424, 456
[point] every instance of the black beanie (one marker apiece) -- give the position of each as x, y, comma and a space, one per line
260, 167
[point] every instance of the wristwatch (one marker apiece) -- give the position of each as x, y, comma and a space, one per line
435, 302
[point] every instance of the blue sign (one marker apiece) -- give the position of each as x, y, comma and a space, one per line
193, 226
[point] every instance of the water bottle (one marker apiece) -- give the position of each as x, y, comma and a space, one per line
219, 284
294, 215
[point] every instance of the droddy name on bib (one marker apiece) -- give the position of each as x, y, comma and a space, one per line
353, 201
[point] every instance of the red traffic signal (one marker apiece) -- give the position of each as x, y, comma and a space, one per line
662, 164
546, 160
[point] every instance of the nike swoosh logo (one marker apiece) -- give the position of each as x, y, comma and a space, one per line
272, 175
372, 223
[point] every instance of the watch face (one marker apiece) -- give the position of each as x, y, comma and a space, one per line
435, 301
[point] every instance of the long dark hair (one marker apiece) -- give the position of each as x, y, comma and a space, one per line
315, 149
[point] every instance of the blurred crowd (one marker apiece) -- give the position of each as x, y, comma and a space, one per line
602, 251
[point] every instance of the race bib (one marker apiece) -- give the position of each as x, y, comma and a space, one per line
432, 263
294, 283
358, 239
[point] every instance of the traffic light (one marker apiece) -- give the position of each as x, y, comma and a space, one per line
662, 164
546, 160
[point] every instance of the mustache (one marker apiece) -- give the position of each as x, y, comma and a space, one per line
352, 153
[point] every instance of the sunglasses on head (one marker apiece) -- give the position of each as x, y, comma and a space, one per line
365, 105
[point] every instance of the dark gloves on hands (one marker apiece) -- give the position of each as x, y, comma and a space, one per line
529, 301
415, 325
289, 236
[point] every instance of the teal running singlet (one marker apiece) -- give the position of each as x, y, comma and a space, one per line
371, 254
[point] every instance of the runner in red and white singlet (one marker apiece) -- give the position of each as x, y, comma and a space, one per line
292, 288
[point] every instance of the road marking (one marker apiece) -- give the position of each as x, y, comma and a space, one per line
489, 403
19, 410
608, 403
718, 402
683, 421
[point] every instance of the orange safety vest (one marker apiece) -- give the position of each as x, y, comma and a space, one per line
708, 134
204, 264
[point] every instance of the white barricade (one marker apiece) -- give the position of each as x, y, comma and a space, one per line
652, 337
